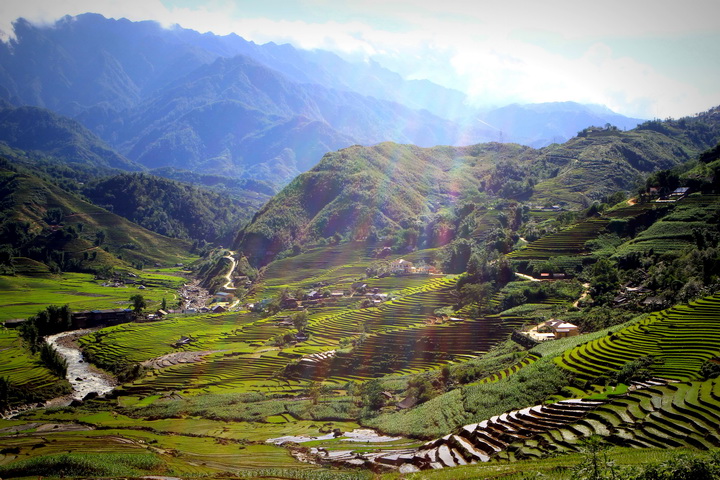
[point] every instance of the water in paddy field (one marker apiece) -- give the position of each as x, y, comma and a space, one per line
82, 377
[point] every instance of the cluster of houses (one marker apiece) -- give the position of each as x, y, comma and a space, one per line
634, 294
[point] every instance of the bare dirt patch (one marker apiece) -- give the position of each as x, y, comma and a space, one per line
177, 358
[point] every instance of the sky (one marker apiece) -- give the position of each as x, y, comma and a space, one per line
640, 58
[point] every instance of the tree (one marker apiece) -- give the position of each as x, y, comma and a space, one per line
99, 238
604, 277
300, 321
4, 393
139, 303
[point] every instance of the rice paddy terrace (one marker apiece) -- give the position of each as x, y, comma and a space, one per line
237, 354
570, 242
397, 339
676, 409
679, 340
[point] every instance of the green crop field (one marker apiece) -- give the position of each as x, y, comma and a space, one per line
679, 340
22, 296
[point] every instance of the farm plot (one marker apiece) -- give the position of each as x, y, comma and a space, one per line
408, 350
675, 415
137, 342
568, 242
21, 297
571, 241
679, 339
23, 369
675, 231
395, 327
323, 264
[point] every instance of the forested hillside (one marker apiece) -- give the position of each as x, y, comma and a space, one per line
392, 190
36, 129
171, 208
49, 225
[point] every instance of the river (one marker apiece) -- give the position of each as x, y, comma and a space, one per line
83, 377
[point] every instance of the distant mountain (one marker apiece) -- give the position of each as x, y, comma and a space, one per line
361, 192
238, 117
541, 124
39, 130
181, 99
223, 105
109, 65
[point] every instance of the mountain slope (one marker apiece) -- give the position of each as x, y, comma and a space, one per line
541, 124
37, 129
361, 191
603, 160
170, 208
382, 190
46, 223
236, 113
220, 104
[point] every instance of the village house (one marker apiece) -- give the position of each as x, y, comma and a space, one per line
94, 318
401, 266
563, 329
679, 192
552, 330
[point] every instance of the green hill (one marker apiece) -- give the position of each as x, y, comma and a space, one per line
362, 192
171, 208
377, 191
43, 222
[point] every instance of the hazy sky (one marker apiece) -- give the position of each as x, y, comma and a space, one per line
646, 58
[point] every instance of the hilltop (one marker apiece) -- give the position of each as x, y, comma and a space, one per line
388, 189
35, 129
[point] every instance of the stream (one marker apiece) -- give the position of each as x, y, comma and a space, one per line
83, 377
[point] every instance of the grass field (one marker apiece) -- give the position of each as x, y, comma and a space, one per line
22, 296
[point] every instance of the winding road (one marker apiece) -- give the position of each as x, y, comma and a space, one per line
229, 284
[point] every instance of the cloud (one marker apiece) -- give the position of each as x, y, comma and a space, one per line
48, 11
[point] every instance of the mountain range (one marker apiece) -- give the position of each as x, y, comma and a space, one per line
223, 105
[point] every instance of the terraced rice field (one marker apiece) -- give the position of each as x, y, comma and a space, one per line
571, 241
182, 455
398, 340
676, 415
655, 415
568, 242
333, 264
680, 339
21, 297
489, 439
674, 232
22, 369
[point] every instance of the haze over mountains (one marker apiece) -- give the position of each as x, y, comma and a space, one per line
222, 105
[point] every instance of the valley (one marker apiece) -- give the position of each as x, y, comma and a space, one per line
244, 379
226, 259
